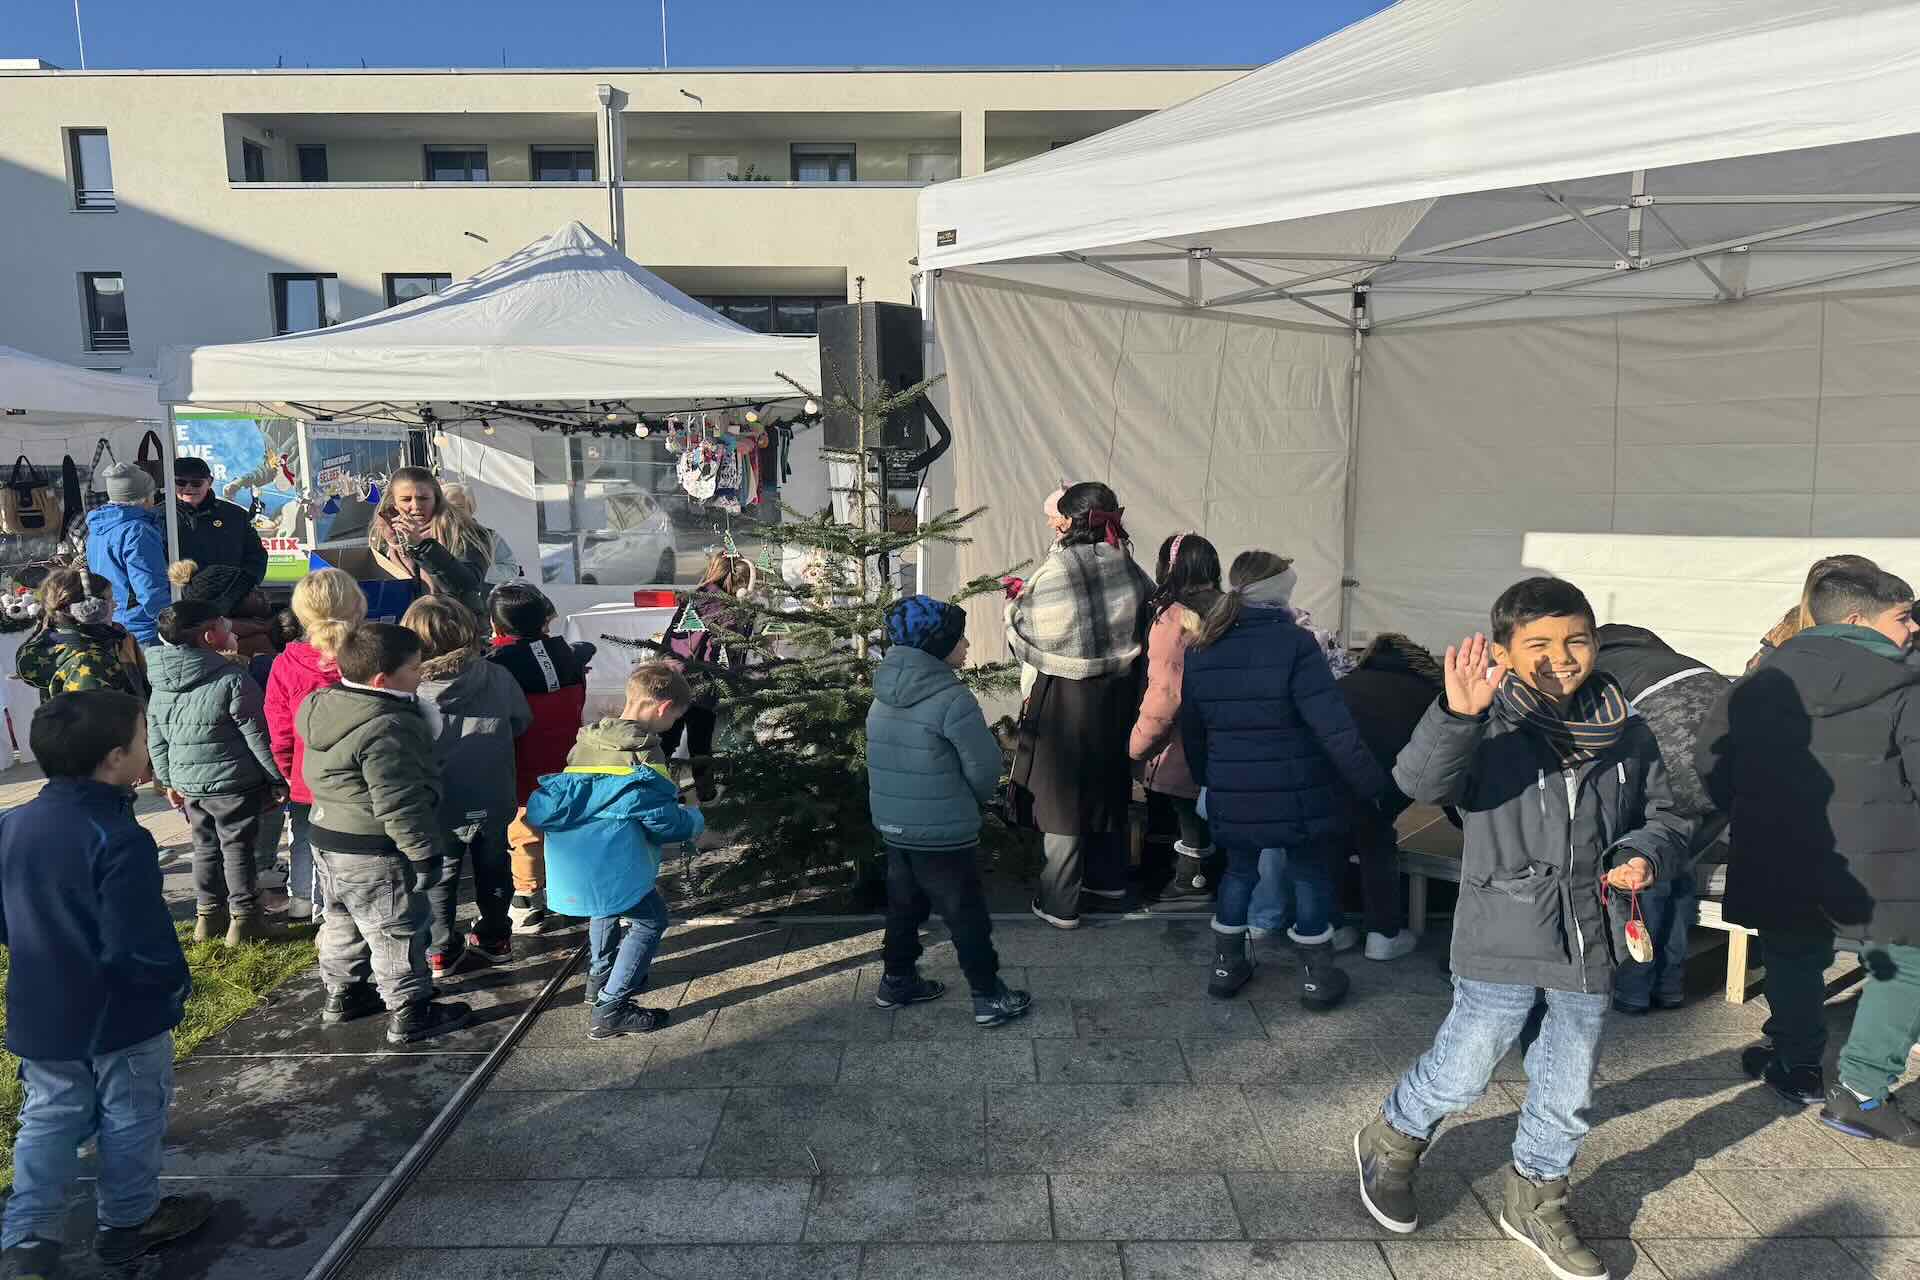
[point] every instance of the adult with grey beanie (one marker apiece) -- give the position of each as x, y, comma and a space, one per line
127, 545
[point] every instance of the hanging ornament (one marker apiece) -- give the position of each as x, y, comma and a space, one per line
811, 408
753, 416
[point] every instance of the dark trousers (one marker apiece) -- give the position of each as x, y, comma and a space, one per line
486, 848
1194, 831
226, 830
1670, 907
1096, 862
1797, 995
922, 881
697, 725
1378, 846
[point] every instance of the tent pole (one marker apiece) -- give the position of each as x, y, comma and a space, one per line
1352, 514
168, 447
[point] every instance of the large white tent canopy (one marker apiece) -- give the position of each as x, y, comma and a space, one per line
41, 398
567, 319
1472, 288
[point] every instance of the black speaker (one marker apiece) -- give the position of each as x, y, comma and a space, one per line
888, 335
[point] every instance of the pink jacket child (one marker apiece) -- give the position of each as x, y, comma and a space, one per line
1156, 739
297, 672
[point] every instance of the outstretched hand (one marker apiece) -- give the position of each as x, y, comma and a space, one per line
1472, 677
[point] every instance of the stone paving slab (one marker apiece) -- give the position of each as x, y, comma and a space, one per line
477, 1264
930, 1208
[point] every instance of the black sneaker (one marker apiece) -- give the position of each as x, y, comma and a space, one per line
349, 1003
173, 1217
910, 989
1003, 1004
1630, 1010
33, 1259
612, 1021
1802, 1086
1387, 1158
497, 950
1875, 1118
424, 1019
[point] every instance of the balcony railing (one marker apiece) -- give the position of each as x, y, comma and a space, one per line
94, 199
109, 340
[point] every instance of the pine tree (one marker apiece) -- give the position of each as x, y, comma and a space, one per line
792, 752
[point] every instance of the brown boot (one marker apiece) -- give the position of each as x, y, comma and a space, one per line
209, 925
254, 928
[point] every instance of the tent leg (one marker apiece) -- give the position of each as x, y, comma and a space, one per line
1352, 513
169, 447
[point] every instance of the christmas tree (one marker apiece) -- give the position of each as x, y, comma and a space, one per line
792, 751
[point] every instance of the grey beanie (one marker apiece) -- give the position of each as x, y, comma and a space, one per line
125, 482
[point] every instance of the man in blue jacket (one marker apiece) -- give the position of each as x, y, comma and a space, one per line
97, 985
127, 545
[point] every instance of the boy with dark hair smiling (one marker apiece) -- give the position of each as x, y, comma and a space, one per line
96, 986
1564, 797
1816, 753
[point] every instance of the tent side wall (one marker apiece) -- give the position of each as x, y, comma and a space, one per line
1235, 426
1683, 467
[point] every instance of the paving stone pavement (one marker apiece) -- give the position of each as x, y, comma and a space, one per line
1129, 1129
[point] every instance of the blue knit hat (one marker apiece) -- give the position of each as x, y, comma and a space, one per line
932, 626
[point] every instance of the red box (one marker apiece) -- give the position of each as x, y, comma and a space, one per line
655, 599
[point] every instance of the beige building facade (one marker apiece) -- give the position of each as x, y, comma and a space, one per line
143, 209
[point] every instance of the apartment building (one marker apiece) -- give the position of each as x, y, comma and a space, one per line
147, 208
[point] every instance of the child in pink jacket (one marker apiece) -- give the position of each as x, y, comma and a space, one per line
1188, 574
329, 604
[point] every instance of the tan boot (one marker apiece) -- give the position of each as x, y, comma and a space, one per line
209, 925
253, 928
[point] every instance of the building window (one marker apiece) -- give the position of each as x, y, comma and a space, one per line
456, 164
92, 163
782, 313
713, 168
933, 166
105, 294
563, 164
823, 162
253, 161
302, 302
407, 286
313, 163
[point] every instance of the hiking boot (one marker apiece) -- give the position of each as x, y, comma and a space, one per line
1196, 874
1535, 1214
424, 1019
253, 927
1002, 1004
908, 989
350, 1003
33, 1259
1106, 902
173, 1217
1387, 1158
1880, 1118
527, 913
1323, 984
208, 925
1232, 965
1058, 922
1391, 946
611, 1021
1802, 1086
498, 950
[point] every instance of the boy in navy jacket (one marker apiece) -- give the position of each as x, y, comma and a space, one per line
96, 986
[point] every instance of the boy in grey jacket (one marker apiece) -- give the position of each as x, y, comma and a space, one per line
1565, 801
207, 734
376, 834
931, 763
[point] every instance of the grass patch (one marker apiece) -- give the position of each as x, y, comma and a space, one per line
228, 982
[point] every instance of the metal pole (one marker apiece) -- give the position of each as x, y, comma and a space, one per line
663, 33
81, 36
168, 447
1351, 530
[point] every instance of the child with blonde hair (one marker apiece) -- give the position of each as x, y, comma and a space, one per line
329, 604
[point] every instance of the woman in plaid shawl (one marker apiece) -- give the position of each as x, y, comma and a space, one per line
1076, 629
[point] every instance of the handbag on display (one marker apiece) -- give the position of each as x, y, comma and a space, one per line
73, 503
154, 465
102, 453
29, 506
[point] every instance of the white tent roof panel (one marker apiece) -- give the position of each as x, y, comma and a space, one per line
39, 396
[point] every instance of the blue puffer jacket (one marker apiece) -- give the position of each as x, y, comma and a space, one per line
1269, 736
604, 825
127, 545
931, 760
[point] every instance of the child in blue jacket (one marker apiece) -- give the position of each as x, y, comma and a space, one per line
605, 818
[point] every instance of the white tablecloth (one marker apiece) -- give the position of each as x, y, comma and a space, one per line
607, 679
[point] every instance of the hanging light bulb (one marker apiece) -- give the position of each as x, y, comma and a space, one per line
810, 408
642, 430
486, 428
593, 451
753, 416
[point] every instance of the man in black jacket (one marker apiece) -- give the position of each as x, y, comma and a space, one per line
214, 531
1815, 753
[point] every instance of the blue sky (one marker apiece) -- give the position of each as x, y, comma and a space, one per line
564, 33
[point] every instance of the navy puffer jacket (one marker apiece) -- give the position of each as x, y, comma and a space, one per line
1269, 736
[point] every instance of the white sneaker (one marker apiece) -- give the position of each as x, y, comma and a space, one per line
299, 908
1346, 938
1382, 946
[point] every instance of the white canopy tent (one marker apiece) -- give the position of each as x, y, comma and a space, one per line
1473, 288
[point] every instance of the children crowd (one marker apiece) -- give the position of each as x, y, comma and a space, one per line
1596, 773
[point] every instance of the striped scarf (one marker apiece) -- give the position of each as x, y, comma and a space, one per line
1591, 723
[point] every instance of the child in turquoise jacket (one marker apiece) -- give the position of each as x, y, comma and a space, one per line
605, 818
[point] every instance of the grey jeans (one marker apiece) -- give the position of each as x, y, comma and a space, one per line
1096, 862
226, 830
376, 926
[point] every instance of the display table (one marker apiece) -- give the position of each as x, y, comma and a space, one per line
607, 678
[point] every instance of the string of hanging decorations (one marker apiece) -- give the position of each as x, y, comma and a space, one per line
590, 417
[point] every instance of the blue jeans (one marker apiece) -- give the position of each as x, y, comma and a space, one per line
301, 880
1483, 1024
1272, 905
1304, 875
621, 947
121, 1100
1670, 908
